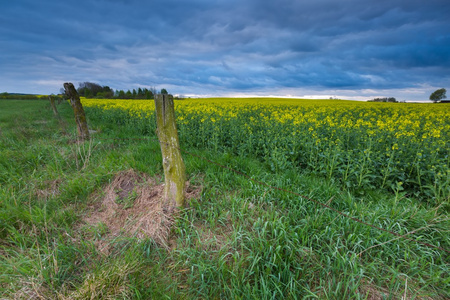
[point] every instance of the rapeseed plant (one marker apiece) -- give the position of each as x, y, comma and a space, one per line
337, 133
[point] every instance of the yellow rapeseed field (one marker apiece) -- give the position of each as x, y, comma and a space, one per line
395, 146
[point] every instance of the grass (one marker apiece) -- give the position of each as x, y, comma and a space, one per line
236, 240
364, 146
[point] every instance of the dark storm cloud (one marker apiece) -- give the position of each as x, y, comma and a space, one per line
207, 46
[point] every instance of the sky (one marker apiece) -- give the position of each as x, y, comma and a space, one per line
348, 49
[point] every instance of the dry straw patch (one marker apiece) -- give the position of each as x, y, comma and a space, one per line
132, 206
31, 289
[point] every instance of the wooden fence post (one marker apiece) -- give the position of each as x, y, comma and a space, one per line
52, 103
174, 169
80, 117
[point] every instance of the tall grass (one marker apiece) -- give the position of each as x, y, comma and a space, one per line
237, 239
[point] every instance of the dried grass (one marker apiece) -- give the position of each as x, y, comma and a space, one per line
31, 289
110, 283
372, 292
132, 206
50, 189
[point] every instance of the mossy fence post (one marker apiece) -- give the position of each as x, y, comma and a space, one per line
80, 117
174, 169
51, 98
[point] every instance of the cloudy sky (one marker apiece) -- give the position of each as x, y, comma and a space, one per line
354, 49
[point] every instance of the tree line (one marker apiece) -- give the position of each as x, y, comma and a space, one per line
18, 96
387, 99
94, 90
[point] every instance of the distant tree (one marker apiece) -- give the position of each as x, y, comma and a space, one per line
89, 89
140, 93
106, 89
87, 92
164, 92
108, 92
121, 94
134, 94
438, 95
128, 95
80, 91
390, 99
148, 94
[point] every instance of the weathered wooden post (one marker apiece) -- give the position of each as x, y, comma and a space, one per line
80, 117
53, 105
174, 169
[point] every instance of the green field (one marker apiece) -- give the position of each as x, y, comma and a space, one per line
363, 146
237, 239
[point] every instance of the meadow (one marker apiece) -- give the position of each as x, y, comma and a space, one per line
385, 164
